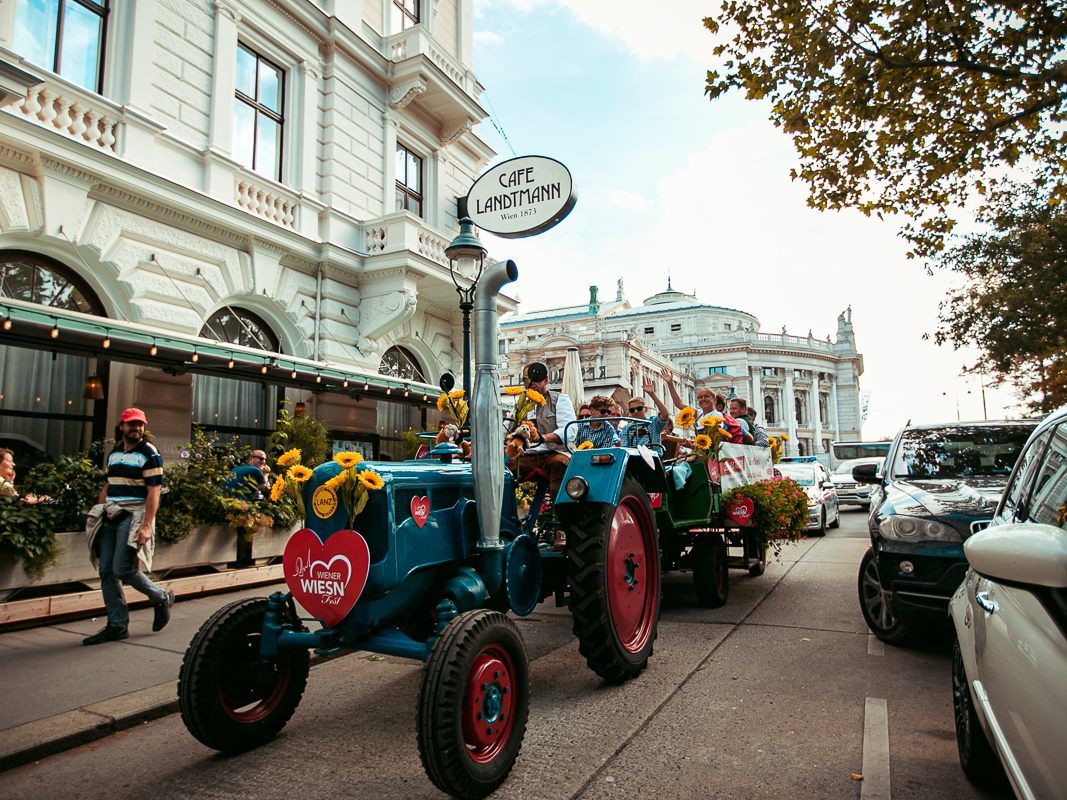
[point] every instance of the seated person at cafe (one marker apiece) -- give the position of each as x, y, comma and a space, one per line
7, 480
248, 481
650, 435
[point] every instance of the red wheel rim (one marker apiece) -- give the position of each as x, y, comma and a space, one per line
632, 585
489, 703
249, 689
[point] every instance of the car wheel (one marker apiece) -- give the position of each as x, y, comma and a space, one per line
876, 606
821, 530
837, 518
980, 764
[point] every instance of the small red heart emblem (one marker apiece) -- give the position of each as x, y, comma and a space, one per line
420, 510
326, 578
740, 510
713, 471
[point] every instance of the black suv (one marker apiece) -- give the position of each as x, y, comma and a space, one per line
938, 485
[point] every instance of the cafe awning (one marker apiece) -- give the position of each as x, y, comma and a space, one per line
34, 326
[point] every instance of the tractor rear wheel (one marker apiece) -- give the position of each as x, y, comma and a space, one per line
231, 699
614, 576
473, 704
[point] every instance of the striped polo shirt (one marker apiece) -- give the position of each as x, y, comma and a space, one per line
131, 472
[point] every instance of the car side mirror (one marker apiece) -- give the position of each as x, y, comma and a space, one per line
866, 473
827, 485
1023, 552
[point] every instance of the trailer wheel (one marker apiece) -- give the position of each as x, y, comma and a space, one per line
711, 572
759, 562
614, 575
473, 704
230, 699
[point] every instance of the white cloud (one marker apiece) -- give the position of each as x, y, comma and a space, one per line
488, 38
628, 200
666, 30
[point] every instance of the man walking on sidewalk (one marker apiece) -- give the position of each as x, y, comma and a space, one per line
121, 527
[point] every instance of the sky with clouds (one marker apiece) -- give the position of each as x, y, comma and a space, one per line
669, 181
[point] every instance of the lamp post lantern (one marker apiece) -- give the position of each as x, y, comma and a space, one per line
466, 248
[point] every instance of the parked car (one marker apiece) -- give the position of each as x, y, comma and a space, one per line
814, 479
1009, 657
940, 484
849, 491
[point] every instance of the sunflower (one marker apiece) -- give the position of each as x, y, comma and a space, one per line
347, 460
702, 441
686, 417
585, 446
785, 437
337, 481
277, 489
536, 396
370, 479
298, 473
711, 420
442, 403
289, 457
513, 390
455, 394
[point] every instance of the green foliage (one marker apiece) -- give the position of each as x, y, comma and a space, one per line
412, 442
1014, 303
780, 510
300, 431
28, 532
900, 107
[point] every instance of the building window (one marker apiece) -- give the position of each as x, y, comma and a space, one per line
65, 36
768, 410
258, 120
826, 445
716, 370
824, 412
676, 327
246, 409
726, 326
408, 181
769, 372
802, 447
405, 15
650, 330
799, 403
502, 347
43, 411
399, 362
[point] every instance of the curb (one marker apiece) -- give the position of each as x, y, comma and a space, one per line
35, 740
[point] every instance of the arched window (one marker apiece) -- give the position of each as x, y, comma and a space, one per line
768, 410
798, 402
43, 410
399, 362
228, 405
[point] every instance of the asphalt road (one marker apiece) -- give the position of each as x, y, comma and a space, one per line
780, 693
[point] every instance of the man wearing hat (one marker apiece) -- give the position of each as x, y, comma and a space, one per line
548, 451
121, 527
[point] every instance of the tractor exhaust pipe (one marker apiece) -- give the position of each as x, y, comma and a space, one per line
487, 428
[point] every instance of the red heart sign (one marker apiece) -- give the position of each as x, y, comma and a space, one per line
326, 578
713, 470
740, 510
420, 510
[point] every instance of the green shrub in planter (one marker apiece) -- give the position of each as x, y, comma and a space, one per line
780, 510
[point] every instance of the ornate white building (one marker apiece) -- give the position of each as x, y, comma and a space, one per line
800, 385
210, 205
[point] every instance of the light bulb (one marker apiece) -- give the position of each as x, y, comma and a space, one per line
106, 343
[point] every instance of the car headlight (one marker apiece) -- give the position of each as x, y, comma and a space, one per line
917, 529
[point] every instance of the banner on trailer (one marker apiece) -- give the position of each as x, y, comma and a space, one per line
742, 463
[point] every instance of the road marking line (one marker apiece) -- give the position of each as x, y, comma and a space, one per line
875, 646
875, 784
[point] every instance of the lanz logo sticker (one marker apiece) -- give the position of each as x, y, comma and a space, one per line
324, 502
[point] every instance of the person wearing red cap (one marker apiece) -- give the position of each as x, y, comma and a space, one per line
122, 527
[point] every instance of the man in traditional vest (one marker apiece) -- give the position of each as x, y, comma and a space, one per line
548, 451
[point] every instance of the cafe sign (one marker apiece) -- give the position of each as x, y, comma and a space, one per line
522, 196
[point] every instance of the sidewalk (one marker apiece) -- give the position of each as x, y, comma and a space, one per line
59, 694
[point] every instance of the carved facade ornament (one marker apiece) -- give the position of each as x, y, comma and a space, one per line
450, 135
402, 95
228, 10
380, 314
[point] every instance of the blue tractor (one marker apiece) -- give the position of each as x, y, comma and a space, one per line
442, 557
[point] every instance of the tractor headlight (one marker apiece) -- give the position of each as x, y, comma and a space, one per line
903, 528
576, 488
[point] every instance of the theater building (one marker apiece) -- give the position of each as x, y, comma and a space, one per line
208, 207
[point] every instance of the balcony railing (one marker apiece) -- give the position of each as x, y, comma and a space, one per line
404, 231
753, 337
73, 112
266, 201
416, 42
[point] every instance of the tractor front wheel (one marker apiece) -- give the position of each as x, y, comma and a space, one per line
473, 704
230, 698
614, 575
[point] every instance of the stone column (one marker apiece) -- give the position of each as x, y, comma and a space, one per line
816, 422
392, 124
309, 113
465, 32
835, 424
218, 178
756, 400
790, 419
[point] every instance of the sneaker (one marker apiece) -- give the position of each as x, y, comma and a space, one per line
107, 634
162, 617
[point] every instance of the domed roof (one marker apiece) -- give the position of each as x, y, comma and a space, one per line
672, 296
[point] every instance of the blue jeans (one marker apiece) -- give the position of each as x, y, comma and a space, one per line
118, 565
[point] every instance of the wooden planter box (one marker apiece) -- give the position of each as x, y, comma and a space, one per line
210, 545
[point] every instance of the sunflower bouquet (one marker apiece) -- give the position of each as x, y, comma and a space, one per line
713, 433
291, 484
526, 400
354, 483
777, 446
454, 404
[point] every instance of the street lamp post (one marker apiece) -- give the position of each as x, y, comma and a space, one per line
466, 247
